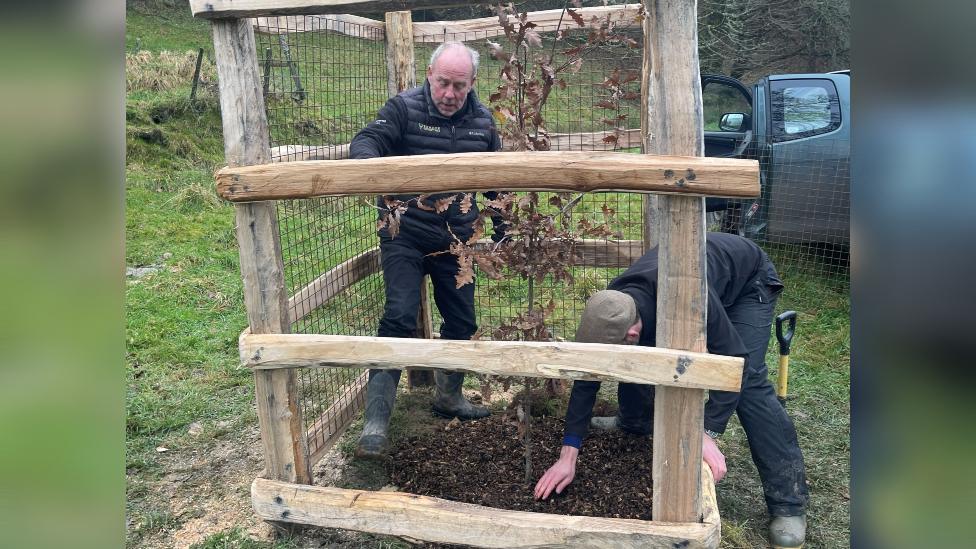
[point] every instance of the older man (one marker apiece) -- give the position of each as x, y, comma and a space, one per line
442, 116
742, 290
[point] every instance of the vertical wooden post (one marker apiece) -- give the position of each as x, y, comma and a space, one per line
196, 75
673, 125
401, 74
246, 142
401, 69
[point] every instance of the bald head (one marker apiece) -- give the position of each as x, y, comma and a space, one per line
451, 75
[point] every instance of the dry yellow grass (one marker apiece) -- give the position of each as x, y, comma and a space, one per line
165, 70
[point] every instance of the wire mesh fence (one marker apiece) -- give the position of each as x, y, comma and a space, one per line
802, 218
325, 78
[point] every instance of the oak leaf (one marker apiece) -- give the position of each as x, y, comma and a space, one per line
443, 204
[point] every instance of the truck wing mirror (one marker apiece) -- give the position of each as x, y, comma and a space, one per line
733, 122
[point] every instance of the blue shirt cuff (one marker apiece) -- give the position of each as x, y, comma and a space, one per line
572, 440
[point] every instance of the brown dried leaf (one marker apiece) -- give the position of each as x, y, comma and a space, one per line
490, 263
393, 225
466, 203
421, 203
485, 389
443, 204
576, 17
465, 274
610, 140
479, 230
495, 50
573, 51
606, 104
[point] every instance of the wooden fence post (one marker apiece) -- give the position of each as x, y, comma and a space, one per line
673, 125
246, 142
401, 74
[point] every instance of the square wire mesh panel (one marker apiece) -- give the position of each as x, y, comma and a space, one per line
323, 79
572, 115
802, 218
575, 122
498, 301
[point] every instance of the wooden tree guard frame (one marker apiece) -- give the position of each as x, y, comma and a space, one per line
684, 506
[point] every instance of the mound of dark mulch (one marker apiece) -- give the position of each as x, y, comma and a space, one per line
482, 462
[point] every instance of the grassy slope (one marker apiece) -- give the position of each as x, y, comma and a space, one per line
183, 321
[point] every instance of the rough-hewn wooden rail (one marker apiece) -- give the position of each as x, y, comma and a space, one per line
591, 252
435, 519
340, 23
567, 360
223, 9
622, 16
540, 171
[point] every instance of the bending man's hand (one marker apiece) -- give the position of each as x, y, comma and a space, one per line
559, 475
713, 457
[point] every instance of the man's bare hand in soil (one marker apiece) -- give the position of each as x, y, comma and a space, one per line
559, 475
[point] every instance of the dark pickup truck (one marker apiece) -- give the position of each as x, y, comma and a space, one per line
798, 126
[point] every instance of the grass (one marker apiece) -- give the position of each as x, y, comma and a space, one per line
182, 321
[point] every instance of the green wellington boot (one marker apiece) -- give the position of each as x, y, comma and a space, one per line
380, 392
788, 532
449, 402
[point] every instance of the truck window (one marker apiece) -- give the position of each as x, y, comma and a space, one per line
719, 98
803, 108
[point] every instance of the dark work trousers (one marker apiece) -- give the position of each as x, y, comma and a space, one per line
769, 430
405, 262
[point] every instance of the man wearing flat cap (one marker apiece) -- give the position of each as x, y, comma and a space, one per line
742, 290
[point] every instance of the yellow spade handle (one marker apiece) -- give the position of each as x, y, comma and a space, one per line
784, 376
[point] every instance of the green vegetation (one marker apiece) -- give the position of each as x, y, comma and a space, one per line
186, 395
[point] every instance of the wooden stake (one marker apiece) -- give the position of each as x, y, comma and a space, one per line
673, 125
246, 142
196, 75
401, 74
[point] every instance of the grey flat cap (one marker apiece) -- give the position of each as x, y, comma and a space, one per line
606, 318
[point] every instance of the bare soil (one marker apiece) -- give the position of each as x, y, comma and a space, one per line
482, 462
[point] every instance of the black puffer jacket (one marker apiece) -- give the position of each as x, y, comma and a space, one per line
410, 124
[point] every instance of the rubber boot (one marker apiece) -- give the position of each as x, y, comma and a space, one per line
788, 532
449, 402
380, 392
605, 423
